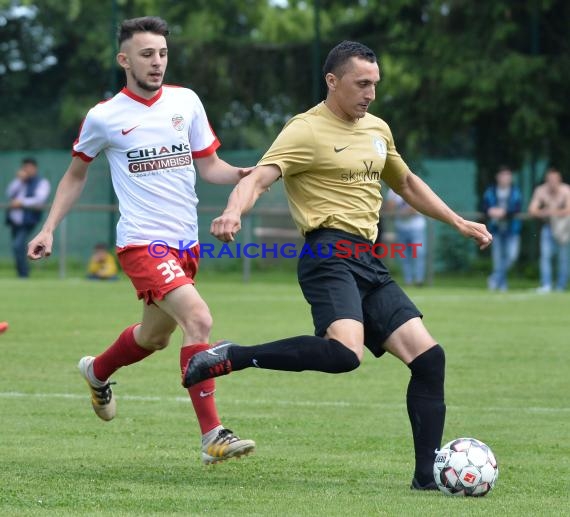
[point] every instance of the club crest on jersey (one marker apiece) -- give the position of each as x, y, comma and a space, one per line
380, 146
178, 122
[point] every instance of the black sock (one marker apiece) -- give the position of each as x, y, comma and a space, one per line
296, 354
426, 409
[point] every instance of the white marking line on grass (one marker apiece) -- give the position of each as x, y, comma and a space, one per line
485, 296
259, 402
479, 295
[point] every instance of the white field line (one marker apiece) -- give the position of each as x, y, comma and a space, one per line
262, 402
424, 297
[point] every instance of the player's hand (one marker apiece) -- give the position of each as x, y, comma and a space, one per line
226, 226
40, 246
496, 212
244, 171
476, 231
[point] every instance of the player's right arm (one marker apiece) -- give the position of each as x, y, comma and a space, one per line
68, 192
242, 199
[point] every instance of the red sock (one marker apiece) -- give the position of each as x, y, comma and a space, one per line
122, 352
201, 394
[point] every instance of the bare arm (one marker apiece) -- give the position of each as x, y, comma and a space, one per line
540, 209
564, 209
14, 188
215, 170
418, 195
242, 199
535, 208
68, 192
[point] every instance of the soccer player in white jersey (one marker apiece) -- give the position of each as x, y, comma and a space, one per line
153, 135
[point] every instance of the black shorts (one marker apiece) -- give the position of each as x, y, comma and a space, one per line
350, 287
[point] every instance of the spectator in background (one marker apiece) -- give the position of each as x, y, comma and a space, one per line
26, 194
551, 204
410, 227
502, 201
102, 265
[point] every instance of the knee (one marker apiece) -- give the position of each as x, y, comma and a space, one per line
346, 358
153, 340
155, 344
203, 321
352, 362
437, 355
199, 323
431, 363
359, 354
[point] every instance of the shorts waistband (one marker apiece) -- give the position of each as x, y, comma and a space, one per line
341, 234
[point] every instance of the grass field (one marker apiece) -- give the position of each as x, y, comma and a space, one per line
326, 445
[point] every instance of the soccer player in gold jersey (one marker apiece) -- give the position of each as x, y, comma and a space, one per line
331, 159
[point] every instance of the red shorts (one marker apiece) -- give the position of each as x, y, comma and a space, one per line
154, 277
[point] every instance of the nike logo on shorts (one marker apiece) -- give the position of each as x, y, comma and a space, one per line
339, 149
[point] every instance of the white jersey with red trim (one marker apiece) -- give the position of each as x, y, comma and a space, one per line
150, 145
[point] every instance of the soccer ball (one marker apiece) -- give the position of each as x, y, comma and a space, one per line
465, 467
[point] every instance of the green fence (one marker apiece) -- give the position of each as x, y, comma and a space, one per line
94, 218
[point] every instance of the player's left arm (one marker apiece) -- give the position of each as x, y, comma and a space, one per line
420, 196
215, 170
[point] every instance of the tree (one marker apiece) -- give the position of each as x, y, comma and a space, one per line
481, 79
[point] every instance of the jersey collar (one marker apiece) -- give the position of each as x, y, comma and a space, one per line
331, 114
142, 100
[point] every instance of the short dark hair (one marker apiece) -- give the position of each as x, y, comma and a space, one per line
504, 168
340, 55
152, 24
30, 161
552, 168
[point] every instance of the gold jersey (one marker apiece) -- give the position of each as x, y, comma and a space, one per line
331, 170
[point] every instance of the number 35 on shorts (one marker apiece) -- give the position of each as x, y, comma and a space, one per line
171, 270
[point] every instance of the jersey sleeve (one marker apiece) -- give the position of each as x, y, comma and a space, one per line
203, 140
395, 167
92, 138
293, 151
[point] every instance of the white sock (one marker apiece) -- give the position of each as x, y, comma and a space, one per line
94, 381
210, 435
